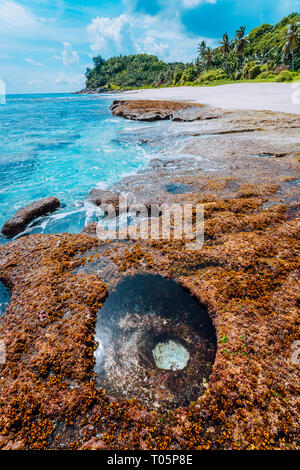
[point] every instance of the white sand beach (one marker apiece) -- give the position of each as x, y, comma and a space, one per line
278, 97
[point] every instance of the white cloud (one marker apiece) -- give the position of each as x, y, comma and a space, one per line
33, 62
165, 36
70, 79
69, 56
111, 34
170, 4
14, 15
150, 46
34, 82
195, 3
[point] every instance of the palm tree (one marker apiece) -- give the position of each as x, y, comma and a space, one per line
292, 41
208, 57
241, 40
262, 57
225, 45
202, 48
198, 65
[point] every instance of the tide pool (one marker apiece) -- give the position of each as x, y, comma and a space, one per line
62, 145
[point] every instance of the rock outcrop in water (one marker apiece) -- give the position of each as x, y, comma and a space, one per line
99, 196
156, 110
91, 91
24, 216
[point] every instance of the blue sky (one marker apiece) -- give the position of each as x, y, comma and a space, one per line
46, 45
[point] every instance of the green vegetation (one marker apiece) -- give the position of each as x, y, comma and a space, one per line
268, 53
133, 71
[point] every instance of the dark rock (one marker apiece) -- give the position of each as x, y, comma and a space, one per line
141, 111
99, 196
24, 216
156, 110
91, 91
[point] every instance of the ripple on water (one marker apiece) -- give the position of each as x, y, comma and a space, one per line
62, 146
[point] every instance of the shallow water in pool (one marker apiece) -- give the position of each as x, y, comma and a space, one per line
155, 343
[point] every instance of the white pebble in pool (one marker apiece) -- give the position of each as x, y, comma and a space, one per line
170, 355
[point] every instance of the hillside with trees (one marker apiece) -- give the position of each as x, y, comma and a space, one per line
267, 53
133, 71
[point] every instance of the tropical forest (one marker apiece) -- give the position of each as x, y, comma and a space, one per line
267, 53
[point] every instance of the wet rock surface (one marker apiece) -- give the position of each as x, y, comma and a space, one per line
140, 313
101, 197
139, 110
246, 276
24, 216
236, 152
49, 332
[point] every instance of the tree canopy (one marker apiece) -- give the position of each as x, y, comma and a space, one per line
254, 55
130, 71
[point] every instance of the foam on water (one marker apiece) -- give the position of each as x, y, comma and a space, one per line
63, 146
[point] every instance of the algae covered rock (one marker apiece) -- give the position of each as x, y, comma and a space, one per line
25, 215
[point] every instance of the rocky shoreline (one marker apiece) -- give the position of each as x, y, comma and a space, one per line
143, 110
244, 168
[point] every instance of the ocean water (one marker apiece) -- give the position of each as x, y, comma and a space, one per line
63, 145
4, 301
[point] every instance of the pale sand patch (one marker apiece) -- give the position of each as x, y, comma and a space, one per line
278, 97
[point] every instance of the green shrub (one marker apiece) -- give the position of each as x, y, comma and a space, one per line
177, 77
254, 72
213, 75
189, 75
114, 87
265, 68
285, 76
247, 67
267, 74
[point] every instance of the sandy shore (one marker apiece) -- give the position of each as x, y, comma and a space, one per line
276, 97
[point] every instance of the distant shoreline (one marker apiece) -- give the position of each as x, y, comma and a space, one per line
276, 97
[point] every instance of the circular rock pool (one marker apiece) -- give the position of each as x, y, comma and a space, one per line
155, 343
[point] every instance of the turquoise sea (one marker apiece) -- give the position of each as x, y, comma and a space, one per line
62, 145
